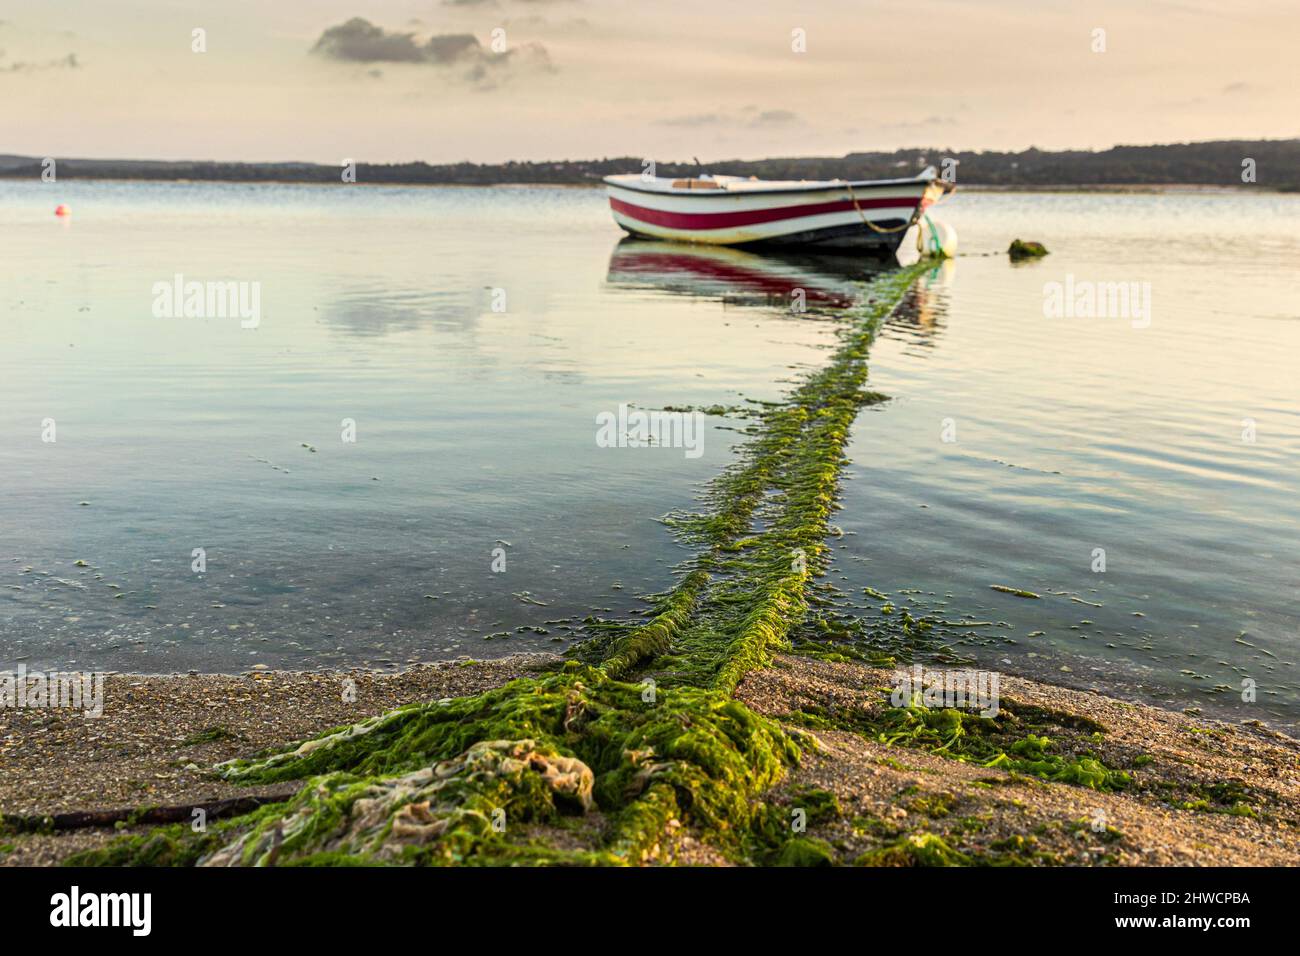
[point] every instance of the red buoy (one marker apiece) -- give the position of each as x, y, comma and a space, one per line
62, 209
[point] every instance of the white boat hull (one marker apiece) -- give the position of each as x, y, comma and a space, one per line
831, 215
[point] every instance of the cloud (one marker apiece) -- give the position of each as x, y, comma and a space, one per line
928, 123
360, 41
69, 62
750, 117
450, 47
695, 119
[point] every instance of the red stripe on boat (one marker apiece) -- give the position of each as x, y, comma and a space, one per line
748, 217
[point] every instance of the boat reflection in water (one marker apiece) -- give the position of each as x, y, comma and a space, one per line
921, 317
791, 282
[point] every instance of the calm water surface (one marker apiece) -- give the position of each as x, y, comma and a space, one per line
1080, 434
476, 428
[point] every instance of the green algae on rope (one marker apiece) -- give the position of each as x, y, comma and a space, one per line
454, 783
786, 479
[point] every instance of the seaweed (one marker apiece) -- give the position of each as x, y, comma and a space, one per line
1019, 250
915, 849
1016, 740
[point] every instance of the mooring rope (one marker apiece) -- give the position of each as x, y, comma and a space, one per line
936, 247
867, 222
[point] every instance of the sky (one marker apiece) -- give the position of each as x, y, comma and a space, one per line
494, 80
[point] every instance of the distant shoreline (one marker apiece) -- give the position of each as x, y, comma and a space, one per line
1065, 188
1260, 164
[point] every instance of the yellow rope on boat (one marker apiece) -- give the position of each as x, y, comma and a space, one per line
867, 222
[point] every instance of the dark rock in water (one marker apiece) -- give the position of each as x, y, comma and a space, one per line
1025, 250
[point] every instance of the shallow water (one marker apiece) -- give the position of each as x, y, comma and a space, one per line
479, 426
376, 305
1076, 434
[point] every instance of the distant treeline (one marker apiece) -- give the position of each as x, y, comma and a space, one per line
1276, 164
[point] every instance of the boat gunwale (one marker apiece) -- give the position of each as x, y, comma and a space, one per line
819, 185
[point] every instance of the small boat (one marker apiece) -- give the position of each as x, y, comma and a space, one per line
833, 215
